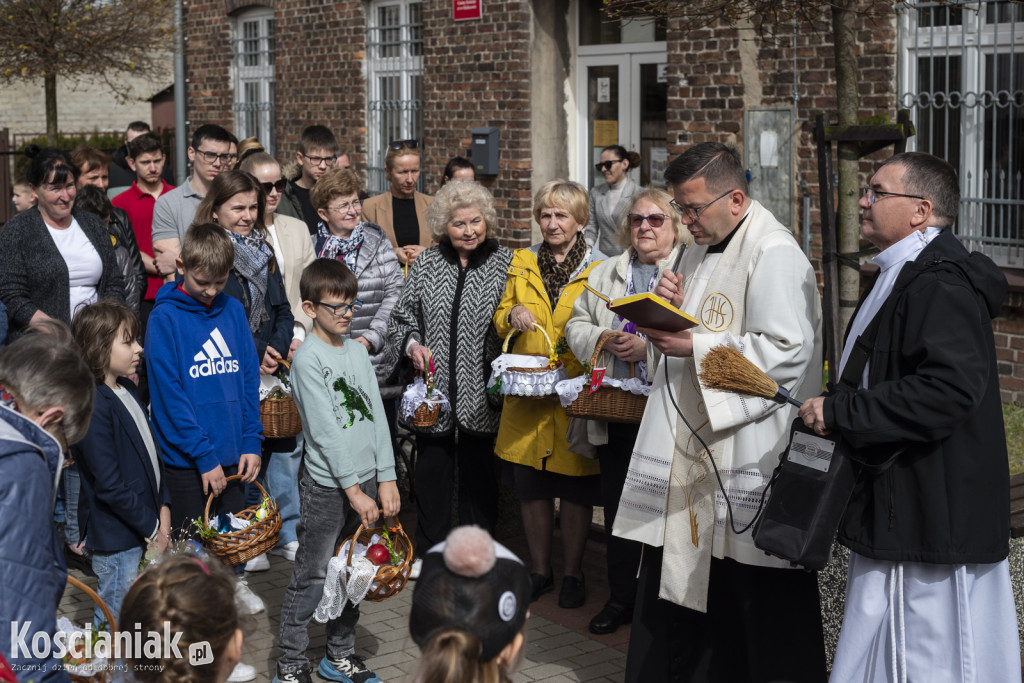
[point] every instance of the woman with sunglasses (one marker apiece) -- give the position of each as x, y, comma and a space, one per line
543, 283
363, 247
608, 202
649, 231
400, 210
293, 251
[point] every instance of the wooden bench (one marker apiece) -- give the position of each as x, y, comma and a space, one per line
1017, 506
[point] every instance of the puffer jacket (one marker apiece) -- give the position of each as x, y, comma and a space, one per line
380, 285
449, 309
31, 553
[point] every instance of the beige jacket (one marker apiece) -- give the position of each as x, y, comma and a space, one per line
378, 210
296, 252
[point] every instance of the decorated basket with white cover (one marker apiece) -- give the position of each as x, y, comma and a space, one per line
527, 375
615, 400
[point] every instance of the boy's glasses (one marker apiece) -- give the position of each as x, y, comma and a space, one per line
655, 220
319, 161
212, 157
606, 165
399, 144
341, 310
278, 185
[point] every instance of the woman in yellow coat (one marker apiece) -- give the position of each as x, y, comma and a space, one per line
543, 283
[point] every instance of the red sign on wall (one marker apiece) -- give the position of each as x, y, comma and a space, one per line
466, 9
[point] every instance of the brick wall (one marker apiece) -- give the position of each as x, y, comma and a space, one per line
1009, 329
478, 74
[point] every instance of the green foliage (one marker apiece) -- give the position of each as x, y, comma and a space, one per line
108, 142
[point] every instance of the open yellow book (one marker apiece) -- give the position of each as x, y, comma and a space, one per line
649, 310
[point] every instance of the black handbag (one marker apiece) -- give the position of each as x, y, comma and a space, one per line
814, 480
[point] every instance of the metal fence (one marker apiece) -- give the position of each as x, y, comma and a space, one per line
253, 71
962, 77
394, 47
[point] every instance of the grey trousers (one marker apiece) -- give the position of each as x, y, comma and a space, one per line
325, 518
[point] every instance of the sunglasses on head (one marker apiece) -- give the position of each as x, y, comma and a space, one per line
399, 144
279, 186
606, 165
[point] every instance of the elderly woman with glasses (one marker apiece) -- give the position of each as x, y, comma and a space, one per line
543, 283
402, 211
363, 247
649, 231
608, 202
446, 311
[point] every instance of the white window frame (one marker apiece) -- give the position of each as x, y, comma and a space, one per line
253, 83
395, 113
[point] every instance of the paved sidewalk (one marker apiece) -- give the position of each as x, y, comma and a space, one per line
559, 648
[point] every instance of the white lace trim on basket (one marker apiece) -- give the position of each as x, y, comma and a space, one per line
569, 390
346, 583
514, 383
270, 382
416, 394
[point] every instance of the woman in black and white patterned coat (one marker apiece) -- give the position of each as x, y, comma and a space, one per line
446, 309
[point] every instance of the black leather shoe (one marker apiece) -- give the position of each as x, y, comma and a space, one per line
573, 593
611, 616
541, 584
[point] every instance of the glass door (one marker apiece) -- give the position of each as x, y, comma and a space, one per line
623, 102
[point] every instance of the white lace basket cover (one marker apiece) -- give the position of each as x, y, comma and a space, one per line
525, 374
416, 394
269, 383
569, 390
344, 583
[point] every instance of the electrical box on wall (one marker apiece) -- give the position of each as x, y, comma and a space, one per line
768, 156
485, 150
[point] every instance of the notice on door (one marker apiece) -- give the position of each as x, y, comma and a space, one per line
606, 133
604, 90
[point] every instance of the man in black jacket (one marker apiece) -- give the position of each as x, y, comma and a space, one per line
928, 592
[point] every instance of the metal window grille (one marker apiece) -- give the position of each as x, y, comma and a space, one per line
394, 44
254, 76
962, 77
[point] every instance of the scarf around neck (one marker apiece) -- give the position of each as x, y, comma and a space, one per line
556, 275
341, 248
252, 258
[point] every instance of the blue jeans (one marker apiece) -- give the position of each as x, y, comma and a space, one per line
115, 573
325, 517
72, 481
283, 484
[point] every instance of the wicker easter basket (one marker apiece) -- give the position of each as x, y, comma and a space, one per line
390, 579
426, 415
526, 375
608, 403
279, 415
103, 675
241, 545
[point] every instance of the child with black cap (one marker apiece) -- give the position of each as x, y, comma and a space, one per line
469, 609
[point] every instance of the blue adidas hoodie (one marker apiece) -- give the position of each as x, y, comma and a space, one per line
204, 380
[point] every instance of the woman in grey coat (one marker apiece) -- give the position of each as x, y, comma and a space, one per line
446, 310
368, 253
608, 202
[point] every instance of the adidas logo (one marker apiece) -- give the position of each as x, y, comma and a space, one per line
214, 359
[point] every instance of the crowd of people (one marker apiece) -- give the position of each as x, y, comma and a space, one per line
163, 313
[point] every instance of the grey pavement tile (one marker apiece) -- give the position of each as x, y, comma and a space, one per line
597, 656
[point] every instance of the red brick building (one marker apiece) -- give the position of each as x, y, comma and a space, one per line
559, 81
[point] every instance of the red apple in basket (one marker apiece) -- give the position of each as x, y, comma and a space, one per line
378, 554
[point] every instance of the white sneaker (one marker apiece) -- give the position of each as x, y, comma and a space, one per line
242, 672
247, 601
260, 563
417, 566
287, 551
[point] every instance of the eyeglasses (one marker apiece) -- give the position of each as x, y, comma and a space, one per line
693, 214
606, 165
343, 208
278, 185
319, 161
655, 220
399, 144
874, 195
341, 310
213, 157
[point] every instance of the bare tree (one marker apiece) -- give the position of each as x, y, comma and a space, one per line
70, 39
